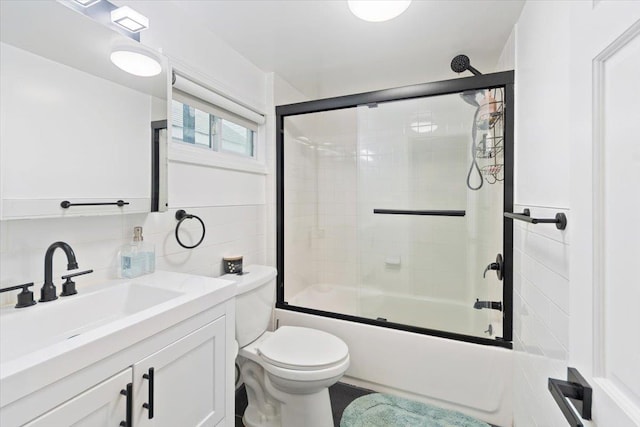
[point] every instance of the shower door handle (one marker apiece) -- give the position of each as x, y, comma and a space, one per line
497, 266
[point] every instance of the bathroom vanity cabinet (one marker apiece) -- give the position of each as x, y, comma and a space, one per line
102, 404
181, 384
187, 388
171, 364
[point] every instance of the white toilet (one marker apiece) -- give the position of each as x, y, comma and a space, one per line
287, 372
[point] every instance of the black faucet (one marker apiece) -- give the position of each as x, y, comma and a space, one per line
494, 305
48, 290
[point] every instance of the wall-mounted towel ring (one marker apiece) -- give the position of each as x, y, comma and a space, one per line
181, 215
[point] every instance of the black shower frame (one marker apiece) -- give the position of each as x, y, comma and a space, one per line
504, 80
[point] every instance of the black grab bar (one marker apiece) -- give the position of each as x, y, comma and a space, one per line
560, 220
419, 212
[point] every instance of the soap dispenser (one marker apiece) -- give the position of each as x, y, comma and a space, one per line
138, 257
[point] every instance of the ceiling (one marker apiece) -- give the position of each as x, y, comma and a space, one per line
323, 50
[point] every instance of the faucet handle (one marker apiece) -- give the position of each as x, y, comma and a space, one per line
498, 266
79, 273
69, 287
25, 298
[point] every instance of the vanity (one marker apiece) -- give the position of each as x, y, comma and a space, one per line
156, 350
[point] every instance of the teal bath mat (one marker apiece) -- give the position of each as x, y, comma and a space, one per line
384, 410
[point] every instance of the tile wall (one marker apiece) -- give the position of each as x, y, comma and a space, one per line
541, 316
96, 241
541, 252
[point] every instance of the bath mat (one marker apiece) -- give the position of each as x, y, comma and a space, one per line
384, 410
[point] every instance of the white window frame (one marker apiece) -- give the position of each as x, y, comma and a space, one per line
186, 152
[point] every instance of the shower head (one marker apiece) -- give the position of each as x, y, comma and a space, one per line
461, 63
470, 98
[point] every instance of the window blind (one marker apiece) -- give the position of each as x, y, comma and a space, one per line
200, 97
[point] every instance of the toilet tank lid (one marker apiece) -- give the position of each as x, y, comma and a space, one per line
252, 277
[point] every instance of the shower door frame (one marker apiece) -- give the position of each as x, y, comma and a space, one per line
503, 80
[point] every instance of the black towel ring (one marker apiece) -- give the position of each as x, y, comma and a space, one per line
181, 215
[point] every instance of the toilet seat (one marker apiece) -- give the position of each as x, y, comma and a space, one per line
290, 353
302, 349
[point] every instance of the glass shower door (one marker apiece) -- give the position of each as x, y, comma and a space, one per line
393, 211
429, 220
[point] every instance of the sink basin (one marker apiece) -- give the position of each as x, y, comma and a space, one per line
27, 330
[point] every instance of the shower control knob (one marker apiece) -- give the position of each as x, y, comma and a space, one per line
497, 266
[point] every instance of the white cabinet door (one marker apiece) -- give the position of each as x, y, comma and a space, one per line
605, 232
184, 383
101, 405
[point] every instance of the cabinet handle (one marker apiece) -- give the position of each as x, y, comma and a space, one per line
149, 406
129, 393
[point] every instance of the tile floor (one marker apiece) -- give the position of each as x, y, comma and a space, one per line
341, 395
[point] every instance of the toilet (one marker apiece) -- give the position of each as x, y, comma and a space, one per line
287, 372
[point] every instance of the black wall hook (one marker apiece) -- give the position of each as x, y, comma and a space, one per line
181, 215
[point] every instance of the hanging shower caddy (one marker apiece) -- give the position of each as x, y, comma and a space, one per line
490, 149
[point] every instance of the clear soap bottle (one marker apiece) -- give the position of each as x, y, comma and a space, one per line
138, 257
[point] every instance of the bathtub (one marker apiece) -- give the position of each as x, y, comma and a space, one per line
441, 315
471, 378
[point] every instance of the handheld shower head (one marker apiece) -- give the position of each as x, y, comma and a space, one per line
470, 98
461, 63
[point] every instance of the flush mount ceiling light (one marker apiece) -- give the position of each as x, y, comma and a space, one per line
135, 62
378, 10
129, 19
86, 3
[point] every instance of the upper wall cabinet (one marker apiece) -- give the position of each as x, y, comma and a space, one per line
75, 129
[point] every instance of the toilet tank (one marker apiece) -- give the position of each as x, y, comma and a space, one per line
255, 299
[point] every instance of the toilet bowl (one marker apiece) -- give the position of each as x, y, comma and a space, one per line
286, 372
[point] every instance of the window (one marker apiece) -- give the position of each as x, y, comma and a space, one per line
194, 125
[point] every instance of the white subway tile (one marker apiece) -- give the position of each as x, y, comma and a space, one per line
550, 253
552, 284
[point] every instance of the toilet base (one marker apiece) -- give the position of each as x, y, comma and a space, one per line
309, 410
253, 418
271, 407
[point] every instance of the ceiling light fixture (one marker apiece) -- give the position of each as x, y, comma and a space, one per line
378, 10
129, 19
135, 62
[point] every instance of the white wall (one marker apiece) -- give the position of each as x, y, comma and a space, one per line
541, 252
234, 225
194, 46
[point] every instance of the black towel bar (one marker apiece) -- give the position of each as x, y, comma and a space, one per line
560, 220
419, 212
576, 389
67, 204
